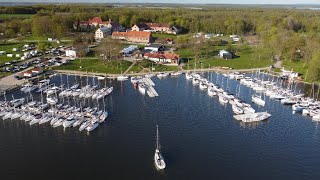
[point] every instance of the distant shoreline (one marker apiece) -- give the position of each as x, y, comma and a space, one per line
175, 4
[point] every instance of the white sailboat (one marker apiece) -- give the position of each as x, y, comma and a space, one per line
258, 100
158, 159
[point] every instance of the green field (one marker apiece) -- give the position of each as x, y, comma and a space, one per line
296, 67
95, 65
8, 49
162, 36
147, 65
248, 57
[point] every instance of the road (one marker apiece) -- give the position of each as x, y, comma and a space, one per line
140, 74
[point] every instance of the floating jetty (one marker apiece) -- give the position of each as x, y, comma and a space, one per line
148, 81
252, 117
152, 92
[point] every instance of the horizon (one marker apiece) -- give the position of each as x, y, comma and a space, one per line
186, 2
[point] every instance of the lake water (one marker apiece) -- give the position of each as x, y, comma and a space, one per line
200, 139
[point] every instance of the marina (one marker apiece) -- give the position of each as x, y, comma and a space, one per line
191, 120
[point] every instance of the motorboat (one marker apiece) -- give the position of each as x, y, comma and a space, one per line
142, 88
258, 100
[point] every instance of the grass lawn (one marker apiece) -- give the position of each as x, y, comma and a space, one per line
138, 67
296, 67
248, 57
8, 48
95, 65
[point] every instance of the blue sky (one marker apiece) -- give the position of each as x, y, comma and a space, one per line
180, 1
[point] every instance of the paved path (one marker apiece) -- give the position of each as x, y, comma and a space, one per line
130, 67
278, 64
144, 73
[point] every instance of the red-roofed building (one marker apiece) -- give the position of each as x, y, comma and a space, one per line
95, 21
168, 58
133, 36
161, 27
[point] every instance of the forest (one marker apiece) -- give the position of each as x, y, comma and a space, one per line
291, 35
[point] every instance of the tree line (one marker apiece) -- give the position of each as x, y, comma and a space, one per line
290, 34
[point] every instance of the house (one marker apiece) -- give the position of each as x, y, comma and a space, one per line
114, 26
155, 47
15, 49
168, 58
225, 54
9, 55
140, 27
2, 52
96, 21
102, 33
175, 30
159, 27
133, 36
119, 35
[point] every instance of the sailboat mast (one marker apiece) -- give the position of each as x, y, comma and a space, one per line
157, 138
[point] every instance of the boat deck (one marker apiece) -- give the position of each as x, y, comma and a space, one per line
242, 117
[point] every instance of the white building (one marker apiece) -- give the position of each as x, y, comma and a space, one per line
154, 47
102, 33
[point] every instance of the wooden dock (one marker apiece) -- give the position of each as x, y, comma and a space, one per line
152, 92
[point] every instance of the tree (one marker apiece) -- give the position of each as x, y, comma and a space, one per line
109, 49
314, 69
9, 33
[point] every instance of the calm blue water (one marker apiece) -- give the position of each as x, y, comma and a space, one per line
199, 139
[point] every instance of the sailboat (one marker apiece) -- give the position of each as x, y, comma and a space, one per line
158, 159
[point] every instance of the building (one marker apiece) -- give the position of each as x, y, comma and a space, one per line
133, 36
96, 21
140, 27
159, 27
175, 30
225, 54
72, 52
168, 58
102, 33
155, 47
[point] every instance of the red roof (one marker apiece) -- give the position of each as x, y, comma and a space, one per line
132, 34
163, 56
139, 34
97, 20
152, 25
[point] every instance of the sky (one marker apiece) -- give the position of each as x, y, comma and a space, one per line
176, 1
